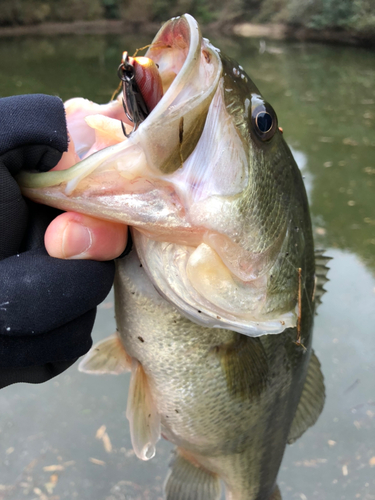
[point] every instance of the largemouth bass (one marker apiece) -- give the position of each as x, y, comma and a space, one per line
215, 303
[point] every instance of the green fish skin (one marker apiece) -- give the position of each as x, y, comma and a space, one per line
226, 400
215, 304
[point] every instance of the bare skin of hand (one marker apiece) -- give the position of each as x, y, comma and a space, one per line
75, 236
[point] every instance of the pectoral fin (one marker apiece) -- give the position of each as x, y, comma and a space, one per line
107, 356
188, 481
311, 403
142, 414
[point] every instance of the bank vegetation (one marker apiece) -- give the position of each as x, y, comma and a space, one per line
345, 16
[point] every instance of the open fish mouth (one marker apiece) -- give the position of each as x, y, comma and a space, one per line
121, 182
169, 180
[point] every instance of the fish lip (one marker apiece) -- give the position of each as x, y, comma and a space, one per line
194, 43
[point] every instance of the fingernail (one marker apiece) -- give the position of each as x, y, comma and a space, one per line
76, 240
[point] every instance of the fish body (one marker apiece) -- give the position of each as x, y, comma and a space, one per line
226, 400
215, 305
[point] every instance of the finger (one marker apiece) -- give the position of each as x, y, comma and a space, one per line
76, 236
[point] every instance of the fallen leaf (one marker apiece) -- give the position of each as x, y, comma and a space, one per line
100, 432
4, 487
372, 461
40, 494
49, 487
53, 468
107, 443
311, 463
96, 461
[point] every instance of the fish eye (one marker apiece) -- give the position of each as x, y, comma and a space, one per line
264, 121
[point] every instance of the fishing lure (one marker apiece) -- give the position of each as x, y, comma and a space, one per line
141, 86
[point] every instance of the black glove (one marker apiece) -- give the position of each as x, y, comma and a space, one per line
47, 305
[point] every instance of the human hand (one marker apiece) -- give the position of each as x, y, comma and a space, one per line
47, 305
76, 236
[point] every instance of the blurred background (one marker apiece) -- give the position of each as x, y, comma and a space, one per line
69, 438
353, 20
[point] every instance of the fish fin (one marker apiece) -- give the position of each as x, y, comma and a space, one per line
276, 495
321, 270
245, 365
311, 403
187, 480
142, 414
107, 356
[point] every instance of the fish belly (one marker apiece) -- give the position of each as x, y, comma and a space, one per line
240, 436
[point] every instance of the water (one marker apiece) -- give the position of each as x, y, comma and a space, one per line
325, 100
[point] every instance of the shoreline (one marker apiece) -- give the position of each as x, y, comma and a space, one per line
301, 33
246, 30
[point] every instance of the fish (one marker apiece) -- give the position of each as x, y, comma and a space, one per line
215, 303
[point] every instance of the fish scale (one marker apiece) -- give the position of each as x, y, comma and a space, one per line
235, 437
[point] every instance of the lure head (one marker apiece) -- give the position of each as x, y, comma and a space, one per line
142, 87
215, 199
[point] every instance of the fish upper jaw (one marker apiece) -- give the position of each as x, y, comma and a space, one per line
172, 130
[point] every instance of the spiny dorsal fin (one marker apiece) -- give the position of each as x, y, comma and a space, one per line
141, 411
321, 270
311, 403
188, 481
107, 356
